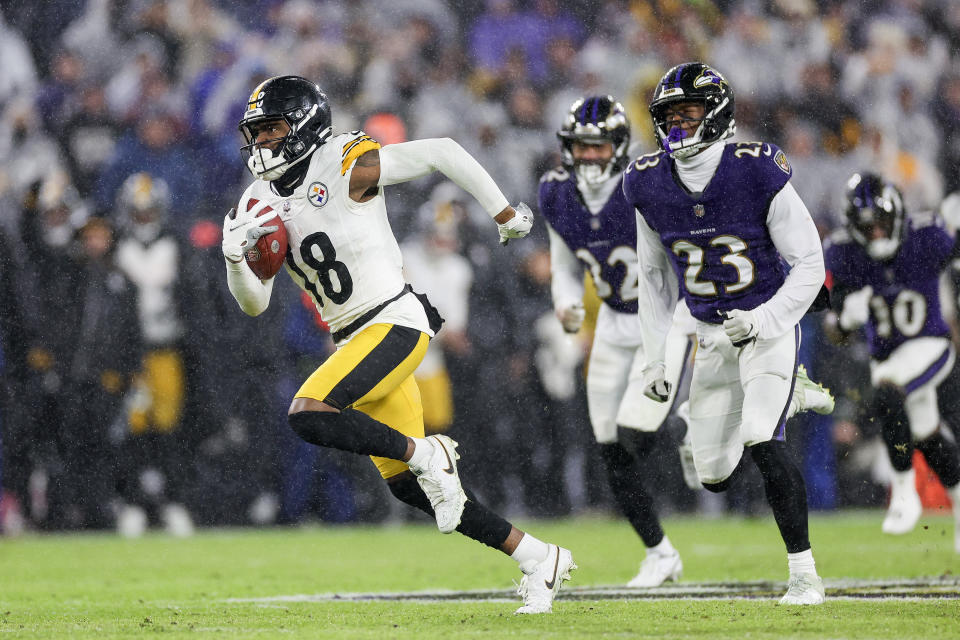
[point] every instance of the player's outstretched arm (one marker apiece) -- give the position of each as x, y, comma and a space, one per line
410, 160
251, 293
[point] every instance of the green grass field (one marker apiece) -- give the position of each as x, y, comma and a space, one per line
278, 583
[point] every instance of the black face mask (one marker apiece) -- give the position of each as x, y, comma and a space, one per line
19, 135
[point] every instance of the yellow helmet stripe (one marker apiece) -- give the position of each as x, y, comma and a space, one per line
252, 102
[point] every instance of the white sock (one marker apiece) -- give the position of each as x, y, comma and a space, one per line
530, 552
422, 451
793, 409
801, 562
903, 481
954, 493
664, 548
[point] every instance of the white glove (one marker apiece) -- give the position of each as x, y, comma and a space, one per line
655, 385
239, 232
517, 226
740, 326
950, 211
856, 309
571, 317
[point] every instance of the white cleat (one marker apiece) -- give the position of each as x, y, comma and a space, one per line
685, 449
131, 521
177, 520
811, 396
803, 589
539, 587
656, 569
904, 512
440, 481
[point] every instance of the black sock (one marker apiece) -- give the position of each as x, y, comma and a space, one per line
786, 492
627, 486
349, 430
477, 522
639, 443
943, 456
895, 428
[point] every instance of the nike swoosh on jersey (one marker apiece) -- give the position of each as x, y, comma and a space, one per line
549, 583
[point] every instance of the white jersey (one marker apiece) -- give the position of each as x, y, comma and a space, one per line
341, 252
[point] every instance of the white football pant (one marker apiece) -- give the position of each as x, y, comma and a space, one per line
615, 376
918, 367
738, 397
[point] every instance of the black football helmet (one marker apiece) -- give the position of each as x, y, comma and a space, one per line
303, 106
693, 82
595, 120
143, 204
875, 214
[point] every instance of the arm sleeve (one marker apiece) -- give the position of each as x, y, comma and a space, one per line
795, 236
566, 273
252, 294
658, 292
409, 160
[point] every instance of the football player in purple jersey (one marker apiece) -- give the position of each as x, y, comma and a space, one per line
720, 225
591, 227
885, 268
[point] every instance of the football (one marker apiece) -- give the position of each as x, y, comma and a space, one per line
266, 257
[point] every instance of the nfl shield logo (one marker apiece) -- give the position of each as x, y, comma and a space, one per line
699, 210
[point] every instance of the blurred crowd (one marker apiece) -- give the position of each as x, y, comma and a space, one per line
136, 393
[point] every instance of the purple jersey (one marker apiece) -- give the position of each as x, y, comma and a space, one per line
605, 243
717, 240
906, 288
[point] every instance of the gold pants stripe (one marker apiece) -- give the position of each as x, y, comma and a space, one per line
373, 373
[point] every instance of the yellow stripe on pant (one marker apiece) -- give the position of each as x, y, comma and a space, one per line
384, 374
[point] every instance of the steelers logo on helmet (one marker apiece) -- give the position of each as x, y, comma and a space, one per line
305, 110
595, 120
693, 82
318, 194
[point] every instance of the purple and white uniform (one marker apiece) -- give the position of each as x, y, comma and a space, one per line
594, 228
724, 229
909, 340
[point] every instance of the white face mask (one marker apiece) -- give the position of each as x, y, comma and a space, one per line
593, 175
58, 236
264, 165
146, 232
882, 248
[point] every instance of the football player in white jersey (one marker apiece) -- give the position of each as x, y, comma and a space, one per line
328, 190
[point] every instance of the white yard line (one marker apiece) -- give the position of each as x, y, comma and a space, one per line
847, 589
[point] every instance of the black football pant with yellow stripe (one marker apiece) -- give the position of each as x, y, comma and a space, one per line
370, 380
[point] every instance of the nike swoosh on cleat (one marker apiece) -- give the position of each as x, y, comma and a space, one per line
549, 583
449, 468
